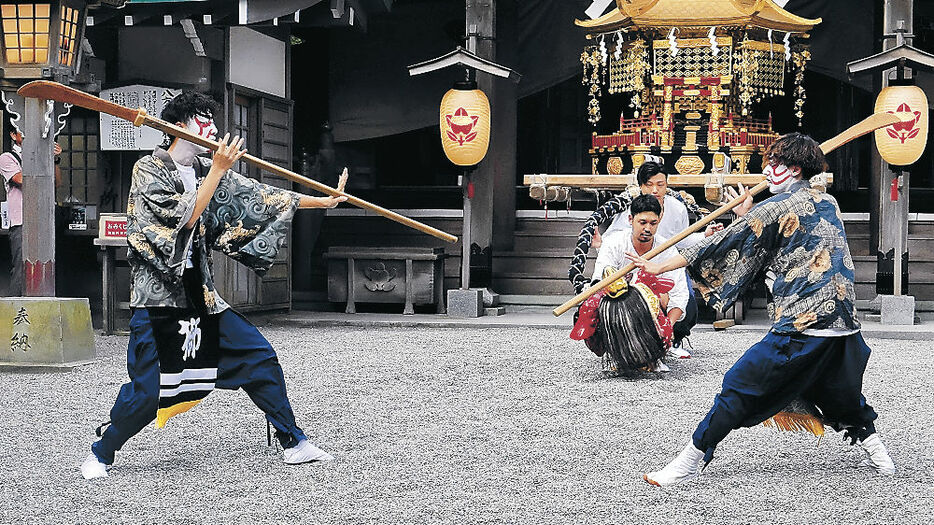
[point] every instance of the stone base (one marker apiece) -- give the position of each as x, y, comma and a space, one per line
45, 331
465, 303
897, 309
490, 298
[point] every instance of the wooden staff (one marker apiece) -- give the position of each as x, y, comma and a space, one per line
870, 123
44, 89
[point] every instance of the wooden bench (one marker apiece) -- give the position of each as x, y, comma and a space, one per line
386, 275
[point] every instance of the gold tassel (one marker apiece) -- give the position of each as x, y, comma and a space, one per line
794, 422
163, 415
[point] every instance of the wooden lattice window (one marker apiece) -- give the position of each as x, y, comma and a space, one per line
68, 43
26, 32
79, 164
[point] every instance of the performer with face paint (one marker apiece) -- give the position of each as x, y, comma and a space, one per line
814, 356
185, 340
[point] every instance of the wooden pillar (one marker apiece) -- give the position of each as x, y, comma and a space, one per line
493, 217
889, 219
38, 200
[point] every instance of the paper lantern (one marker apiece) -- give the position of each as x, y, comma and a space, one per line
465, 124
903, 143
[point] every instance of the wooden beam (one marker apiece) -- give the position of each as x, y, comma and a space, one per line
611, 182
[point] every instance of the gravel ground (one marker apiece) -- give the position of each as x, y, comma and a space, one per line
459, 426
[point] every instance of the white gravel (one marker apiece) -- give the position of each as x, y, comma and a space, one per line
459, 426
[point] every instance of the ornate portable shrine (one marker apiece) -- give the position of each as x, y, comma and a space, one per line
691, 74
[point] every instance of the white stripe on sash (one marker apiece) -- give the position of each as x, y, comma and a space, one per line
187, 387
188, 373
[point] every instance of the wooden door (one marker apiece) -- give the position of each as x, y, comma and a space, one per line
266, 123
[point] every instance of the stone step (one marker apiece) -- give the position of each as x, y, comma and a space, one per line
549, 301
552, 225
528, 284
547, 264
530, 241
920, 271
919, 247
921, 291
862, 227
495, 311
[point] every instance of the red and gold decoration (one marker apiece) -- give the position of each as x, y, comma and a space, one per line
903, 143
465, 124
693, 78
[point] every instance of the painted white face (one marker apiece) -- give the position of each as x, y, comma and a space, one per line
780, 177
203, 127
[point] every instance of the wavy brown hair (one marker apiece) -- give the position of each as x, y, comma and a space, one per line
797, 149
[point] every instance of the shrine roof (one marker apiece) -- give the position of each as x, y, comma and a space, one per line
698, 13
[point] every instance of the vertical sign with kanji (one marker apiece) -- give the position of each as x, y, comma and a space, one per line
20, 340
119, 134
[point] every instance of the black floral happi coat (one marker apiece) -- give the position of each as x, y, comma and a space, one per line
246, 220
798, 238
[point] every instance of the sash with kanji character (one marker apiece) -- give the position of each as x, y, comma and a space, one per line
187, 343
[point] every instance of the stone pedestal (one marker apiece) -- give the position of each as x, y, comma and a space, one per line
465, 303
897, 309
45, 331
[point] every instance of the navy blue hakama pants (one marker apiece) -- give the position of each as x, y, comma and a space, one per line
247, 361
824, 371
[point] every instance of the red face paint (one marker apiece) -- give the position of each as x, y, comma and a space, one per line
777, 174
206, 127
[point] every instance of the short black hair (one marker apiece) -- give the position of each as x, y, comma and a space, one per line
648, 170
644, 203
187, 105
7, 143
797, 149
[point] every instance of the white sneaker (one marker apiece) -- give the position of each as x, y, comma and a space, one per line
684, 467
879, 459
92, 468
305, 452
677, 352
660, 367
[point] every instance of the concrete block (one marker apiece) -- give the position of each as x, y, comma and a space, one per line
897, 309
494, 311
465, 303
46, 331
490, 298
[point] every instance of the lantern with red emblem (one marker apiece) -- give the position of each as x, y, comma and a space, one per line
465, 124
903, 143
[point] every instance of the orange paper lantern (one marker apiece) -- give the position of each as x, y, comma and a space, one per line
903, 143
465, 124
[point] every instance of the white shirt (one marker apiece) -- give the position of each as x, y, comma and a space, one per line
613, 253
674, 220
187, 174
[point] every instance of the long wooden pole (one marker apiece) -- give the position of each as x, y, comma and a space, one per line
44, 89
871, 123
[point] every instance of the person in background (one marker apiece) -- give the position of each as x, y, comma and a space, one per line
653, 181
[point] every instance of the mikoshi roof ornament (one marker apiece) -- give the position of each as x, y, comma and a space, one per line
47, 90
694, 78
